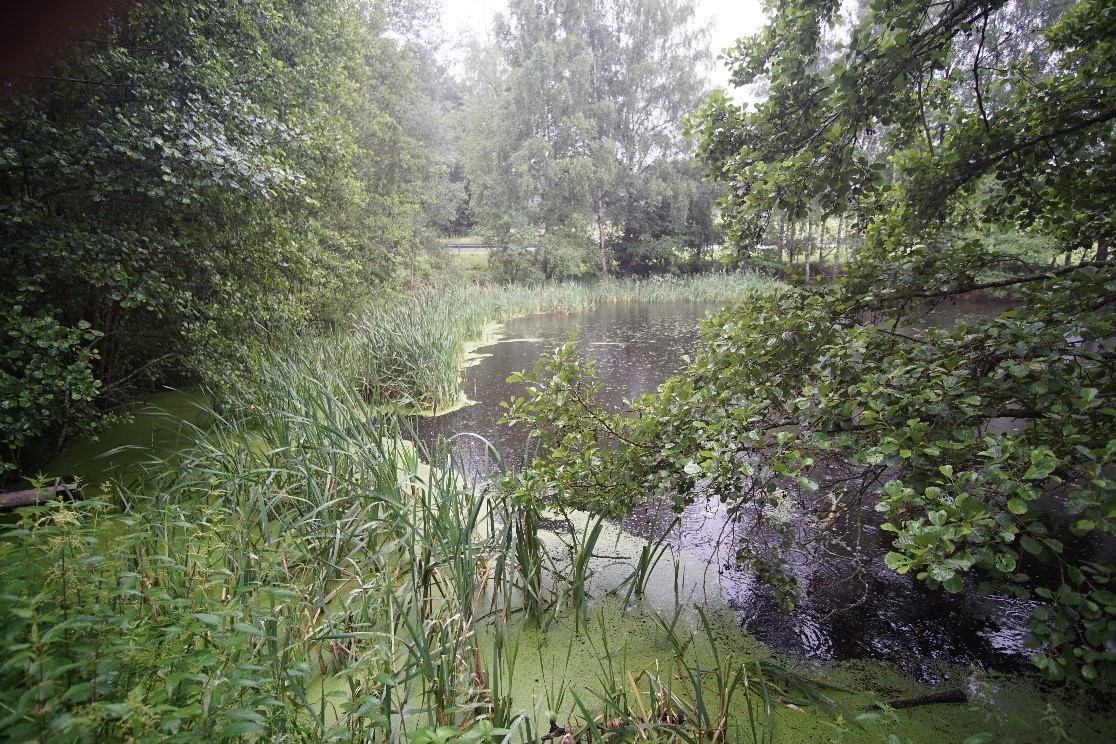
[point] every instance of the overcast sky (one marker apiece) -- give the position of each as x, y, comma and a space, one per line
731, 20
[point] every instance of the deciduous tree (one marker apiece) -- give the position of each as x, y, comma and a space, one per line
581, 104
184, 182
986, 448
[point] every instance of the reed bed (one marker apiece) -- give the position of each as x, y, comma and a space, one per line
304, 572
407, 352
299, 573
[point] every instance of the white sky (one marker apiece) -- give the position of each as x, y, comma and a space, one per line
731, 20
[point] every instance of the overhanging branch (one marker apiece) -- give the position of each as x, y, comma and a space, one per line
1015, 281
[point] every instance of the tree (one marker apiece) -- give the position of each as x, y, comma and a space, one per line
985, 448
668, 222
187, 181
575, 112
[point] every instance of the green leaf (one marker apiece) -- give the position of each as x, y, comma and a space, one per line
897, 562
117, 710
237, 729
249, 629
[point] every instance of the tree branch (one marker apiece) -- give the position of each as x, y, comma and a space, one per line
976, 74
1014, 281
79, 81
982, 165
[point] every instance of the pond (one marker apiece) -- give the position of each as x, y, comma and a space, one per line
846, 613
635, 346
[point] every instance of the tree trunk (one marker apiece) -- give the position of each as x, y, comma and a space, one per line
810, 244
32, 496
782, 240
790, 243
1102, 250
601, 233
809, 247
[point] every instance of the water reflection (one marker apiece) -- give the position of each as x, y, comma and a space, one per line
853, 606
634, 345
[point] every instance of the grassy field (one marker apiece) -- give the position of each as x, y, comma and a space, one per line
463, 240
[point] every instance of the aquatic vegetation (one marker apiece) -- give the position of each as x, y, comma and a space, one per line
314, 575
408, 352
303, 571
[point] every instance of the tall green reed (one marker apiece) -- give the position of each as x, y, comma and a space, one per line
300, 571
650, 554
408, 351
302, 540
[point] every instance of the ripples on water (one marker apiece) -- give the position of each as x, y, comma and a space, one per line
849, 609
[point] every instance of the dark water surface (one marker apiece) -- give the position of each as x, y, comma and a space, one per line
635, 346
847, 611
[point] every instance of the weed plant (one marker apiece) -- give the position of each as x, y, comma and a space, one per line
299, 574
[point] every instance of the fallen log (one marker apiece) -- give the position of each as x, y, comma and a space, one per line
933, 698
32, 496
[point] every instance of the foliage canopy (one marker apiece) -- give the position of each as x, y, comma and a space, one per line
574, 149
188, 181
